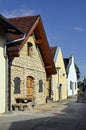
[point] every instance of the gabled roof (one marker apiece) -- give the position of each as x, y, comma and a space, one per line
66, 62
24, 23
8, 26
32, 25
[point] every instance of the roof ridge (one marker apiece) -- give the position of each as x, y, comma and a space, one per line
23, 17
53, 46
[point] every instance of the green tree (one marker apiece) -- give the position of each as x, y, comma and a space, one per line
77, 71
80, 83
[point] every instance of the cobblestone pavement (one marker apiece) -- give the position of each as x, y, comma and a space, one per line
67, 115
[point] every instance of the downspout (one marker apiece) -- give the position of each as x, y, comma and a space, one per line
8, 75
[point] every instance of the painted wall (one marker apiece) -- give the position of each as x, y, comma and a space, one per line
72, 77
58, 59
24, 66
2, 72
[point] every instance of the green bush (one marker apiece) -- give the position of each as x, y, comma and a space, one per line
79, 91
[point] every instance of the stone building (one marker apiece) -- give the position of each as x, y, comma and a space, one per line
30, 60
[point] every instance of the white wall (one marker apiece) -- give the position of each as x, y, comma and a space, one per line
72, 77
2, 72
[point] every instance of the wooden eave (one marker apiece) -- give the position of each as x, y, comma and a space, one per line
13, 53
39, 41
29, 34
44, 48
48, 67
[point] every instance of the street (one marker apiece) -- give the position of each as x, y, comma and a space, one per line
67, 115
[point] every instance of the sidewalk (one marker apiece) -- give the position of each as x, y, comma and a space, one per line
65, 115
42, 107
50, 105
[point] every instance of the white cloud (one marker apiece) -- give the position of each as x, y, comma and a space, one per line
20, 12
80, 29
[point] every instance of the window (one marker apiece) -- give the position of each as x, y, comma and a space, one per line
70, 84
40, 86
75, 85
17, 85
29, 49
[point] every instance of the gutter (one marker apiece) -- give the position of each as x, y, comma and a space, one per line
20, 39
7, 43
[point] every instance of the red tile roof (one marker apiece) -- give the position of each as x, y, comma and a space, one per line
30, 25
24, 23
8, 26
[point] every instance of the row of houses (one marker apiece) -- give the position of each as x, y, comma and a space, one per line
29, 67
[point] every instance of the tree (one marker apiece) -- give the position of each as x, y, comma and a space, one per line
77, 71
80, 84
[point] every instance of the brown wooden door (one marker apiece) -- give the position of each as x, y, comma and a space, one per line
29, 89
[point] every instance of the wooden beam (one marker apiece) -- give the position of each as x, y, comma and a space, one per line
12, 32
48, 67
39, 41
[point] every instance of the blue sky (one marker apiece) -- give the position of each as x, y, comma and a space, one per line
64, 22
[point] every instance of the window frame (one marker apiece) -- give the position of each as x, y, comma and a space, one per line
29, 49
40, 86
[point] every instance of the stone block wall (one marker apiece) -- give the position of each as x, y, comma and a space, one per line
24, 66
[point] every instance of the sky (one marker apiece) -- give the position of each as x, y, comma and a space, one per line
64, 22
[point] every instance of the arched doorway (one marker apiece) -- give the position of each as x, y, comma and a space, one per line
29, 88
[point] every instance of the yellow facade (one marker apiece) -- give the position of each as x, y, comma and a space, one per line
59, 78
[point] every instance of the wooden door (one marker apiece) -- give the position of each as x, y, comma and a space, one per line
29, 89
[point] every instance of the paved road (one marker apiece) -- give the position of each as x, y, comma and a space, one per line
68, 115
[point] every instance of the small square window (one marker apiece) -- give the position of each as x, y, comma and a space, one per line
29, 49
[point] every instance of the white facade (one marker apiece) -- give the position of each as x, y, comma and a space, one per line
71, 78
2, 72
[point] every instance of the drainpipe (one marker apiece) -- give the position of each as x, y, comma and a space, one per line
8, 75
6, 79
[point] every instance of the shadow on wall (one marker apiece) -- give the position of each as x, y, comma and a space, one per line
17, 82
